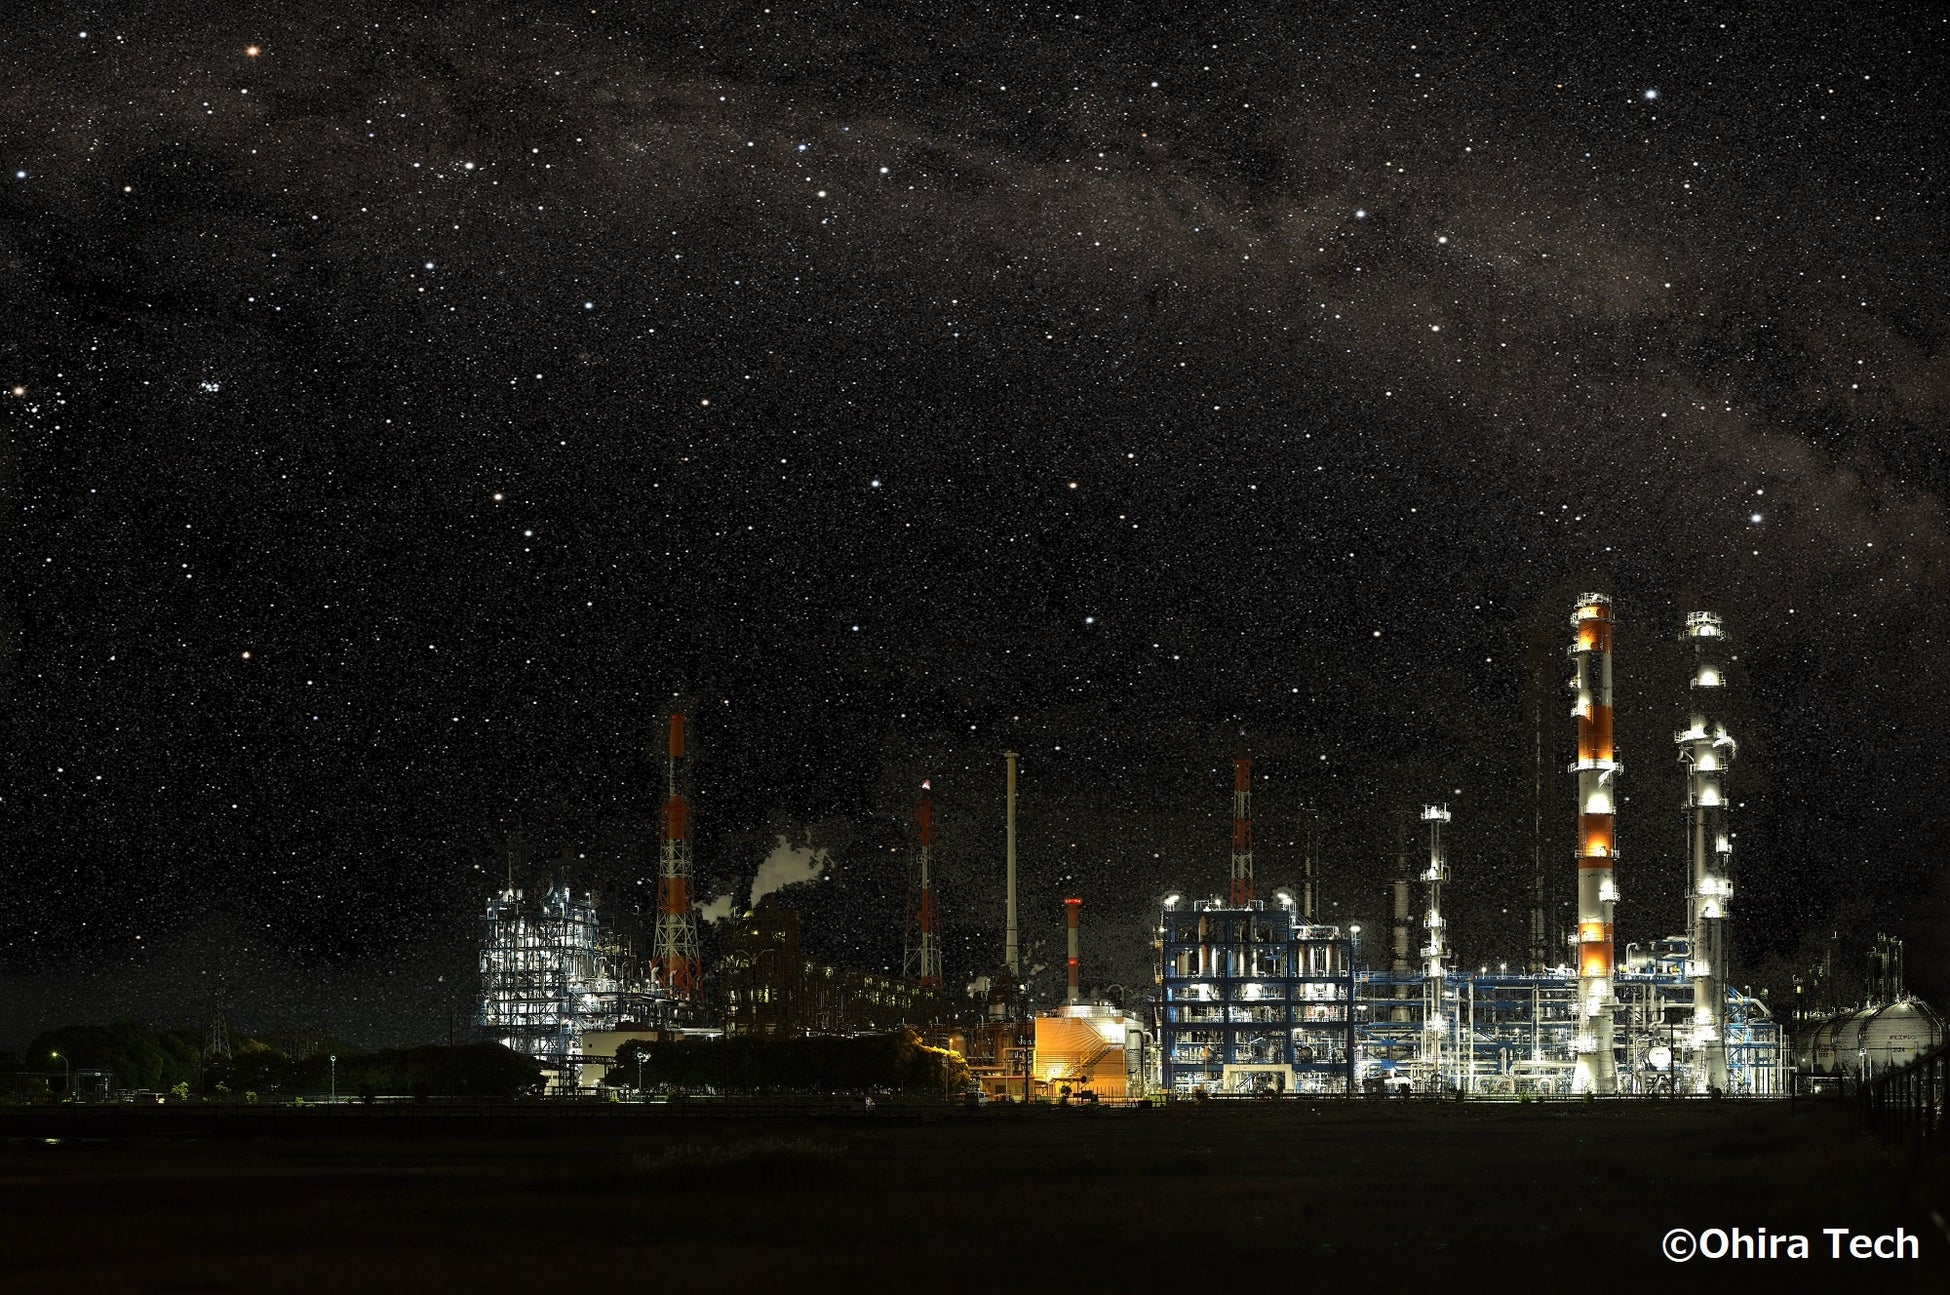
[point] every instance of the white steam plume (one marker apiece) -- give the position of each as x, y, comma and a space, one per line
787, 865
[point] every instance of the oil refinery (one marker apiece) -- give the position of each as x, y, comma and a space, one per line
1253, 995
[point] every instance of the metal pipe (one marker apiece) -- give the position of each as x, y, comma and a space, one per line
930, 968
1241, 895
1011, 953
1071, 909
1309, 870
1597, 770
1542, 751
1398, 966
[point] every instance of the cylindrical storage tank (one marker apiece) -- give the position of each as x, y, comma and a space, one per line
1886, 1037
1824, 1049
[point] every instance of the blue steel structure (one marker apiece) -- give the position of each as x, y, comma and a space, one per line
1254, 1000
1514, 1034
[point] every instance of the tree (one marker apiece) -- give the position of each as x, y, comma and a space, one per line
138, 1056
814, 1064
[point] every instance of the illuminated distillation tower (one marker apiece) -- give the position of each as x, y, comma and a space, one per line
1435, 953
1597, 771
929, 920
676, 955
1242, 833
1706, 749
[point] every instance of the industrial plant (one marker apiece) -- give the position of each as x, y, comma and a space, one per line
1252, 995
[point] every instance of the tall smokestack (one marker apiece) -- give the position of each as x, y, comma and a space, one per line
676, 953
1071, 909
1597, 771
1399, 947
929, 920
1539, 705
1310, 871
1241, 895
1706, 749
1011, 953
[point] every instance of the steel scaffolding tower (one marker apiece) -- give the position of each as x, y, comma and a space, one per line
550, 973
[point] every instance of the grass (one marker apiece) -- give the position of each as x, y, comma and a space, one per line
980, 1201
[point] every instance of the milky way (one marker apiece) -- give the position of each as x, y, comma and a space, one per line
407, 411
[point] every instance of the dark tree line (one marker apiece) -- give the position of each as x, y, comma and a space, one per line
819, 1064
465, 1070
137, 1056
140, 1057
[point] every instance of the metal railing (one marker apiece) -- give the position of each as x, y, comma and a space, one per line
1907, 1104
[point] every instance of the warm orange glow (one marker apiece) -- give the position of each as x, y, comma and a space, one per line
251, 51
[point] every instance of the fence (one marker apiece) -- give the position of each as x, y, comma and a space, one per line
1907, 1104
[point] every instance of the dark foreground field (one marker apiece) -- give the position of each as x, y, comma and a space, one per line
1070, 1201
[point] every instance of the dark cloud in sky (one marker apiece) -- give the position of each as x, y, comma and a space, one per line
897, 391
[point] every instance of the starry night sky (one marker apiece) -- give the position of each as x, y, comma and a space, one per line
406, 410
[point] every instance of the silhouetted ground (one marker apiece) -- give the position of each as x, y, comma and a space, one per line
1069, 1201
